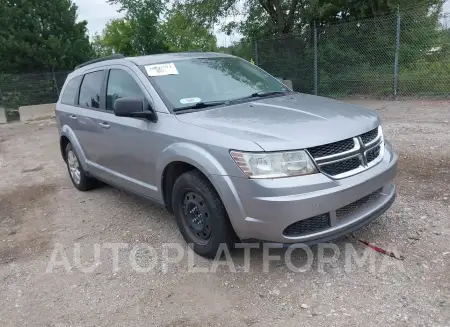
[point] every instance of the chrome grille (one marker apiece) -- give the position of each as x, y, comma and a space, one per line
350, 156
358, 204
369, 136
309, 225
332, 148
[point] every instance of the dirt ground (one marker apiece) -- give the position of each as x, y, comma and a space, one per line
41, 214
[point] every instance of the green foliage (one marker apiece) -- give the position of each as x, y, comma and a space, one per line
141, 26
143, 31
39, 35
289, 57
26, 89
364, 79
425, 77
356, 57
242, 48
257, 25
183, 32
117, 37
266, 18
99, 46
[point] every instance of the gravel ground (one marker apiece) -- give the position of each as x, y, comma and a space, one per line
43, 215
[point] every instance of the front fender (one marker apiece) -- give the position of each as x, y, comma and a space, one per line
191, 154
68, 132
210, 167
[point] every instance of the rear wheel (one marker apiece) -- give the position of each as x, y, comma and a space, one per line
79, 178
200, 214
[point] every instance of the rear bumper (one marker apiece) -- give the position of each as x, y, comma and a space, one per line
263, 209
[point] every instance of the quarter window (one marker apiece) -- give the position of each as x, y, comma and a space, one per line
90, 90
70, 91
121, 84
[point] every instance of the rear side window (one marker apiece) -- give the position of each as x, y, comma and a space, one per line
121, 84
70, 92
90, 90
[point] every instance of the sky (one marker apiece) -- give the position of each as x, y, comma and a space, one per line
98, 13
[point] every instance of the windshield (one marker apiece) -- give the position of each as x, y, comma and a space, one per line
187, 82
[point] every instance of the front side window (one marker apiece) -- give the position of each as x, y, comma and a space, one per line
121, 84
90, 90
191, 81
71, 90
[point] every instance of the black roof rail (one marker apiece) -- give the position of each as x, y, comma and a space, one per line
117, 56
198, 50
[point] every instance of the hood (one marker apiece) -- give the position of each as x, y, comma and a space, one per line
293, 121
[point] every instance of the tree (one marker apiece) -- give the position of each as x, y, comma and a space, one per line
41, 35
242, 48
142, 23
278, 17
183, 32
99, 47
148, 28
117, 37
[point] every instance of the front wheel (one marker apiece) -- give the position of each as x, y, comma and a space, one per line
200, 214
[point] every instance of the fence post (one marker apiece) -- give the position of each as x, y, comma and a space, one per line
256, 53
397, 52
55, 83
316, 72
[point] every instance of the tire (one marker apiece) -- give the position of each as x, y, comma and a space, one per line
193, 195
80, 180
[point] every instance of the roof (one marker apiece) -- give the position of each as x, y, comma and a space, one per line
145, 60
156, 58
93, 61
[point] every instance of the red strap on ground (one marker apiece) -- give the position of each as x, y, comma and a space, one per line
382, 251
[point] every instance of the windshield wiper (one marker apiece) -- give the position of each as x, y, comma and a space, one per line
200, 105
262, 94
206, 104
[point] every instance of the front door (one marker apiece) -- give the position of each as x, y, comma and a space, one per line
126, 155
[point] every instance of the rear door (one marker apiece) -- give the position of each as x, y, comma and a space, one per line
86, 113
67, 103
126, 155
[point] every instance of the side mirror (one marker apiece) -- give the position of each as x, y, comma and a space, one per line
132, 107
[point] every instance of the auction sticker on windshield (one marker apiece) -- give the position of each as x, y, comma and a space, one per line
190, 100
161, 69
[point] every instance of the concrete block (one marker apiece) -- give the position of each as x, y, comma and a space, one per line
37, 112
2, 116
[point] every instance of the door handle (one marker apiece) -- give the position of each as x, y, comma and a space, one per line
104, 125
73, 117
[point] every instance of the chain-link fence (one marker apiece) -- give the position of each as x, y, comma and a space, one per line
405, 54
289, 57
29, 89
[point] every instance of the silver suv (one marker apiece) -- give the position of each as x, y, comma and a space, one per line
229, 150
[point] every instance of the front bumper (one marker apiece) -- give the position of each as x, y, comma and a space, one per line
263, 209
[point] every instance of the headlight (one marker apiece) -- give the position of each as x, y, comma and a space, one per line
275, 164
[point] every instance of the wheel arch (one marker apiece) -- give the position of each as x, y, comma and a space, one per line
63, 141
68, 136
180, 158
